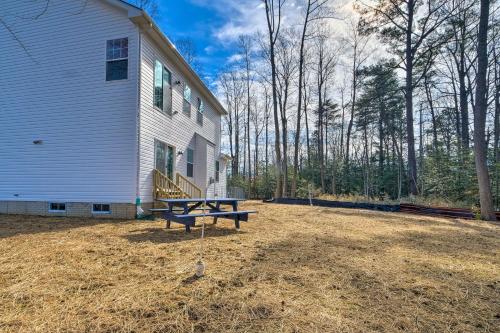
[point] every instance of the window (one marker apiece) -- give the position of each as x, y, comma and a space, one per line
190, 162
162, 98
117, 59
217, 170
101, 208
57, 207
187, 100
167, 90
158, 85
201, 108
164, 160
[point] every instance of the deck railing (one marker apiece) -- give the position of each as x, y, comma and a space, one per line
164, 187
188, 187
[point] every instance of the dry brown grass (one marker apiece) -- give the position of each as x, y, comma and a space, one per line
290, 269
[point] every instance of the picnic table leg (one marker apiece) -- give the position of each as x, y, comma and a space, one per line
217, 208
236, 218
186, 211
170, 208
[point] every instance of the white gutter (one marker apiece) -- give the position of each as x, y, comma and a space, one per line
138, 117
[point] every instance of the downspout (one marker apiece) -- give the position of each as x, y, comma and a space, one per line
139, 210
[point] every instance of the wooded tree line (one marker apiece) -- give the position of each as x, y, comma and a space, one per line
405, 101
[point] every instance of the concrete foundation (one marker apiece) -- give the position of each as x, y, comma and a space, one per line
74, 209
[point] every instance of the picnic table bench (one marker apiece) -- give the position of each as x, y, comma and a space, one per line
181, 211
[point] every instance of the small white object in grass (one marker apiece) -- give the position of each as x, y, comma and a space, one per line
200, 269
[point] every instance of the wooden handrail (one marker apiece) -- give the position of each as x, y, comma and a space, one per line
187, 186
164, 187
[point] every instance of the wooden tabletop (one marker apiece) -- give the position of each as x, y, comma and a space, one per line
188, 200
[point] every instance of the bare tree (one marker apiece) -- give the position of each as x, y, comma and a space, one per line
150, 6
480, 110
357, 42
325, 66
273, 18
315, 10
187, 47
245, 45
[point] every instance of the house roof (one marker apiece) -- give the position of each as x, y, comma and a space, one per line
142, 19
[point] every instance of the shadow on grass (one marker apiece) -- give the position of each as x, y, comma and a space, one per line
161, 235
13, 225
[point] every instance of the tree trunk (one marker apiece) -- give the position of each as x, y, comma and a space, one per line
320, 136
412, 160
248, 127
430, 101
463, 92
308, 144
299, 103
480, 148
496, 131
236, 164
381, 136
245, 150
351, 121
272, 40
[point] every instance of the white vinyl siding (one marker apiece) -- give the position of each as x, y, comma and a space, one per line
177, 130
59, 94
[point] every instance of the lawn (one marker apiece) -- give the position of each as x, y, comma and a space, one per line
289, 269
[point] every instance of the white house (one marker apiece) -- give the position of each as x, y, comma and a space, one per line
93, 99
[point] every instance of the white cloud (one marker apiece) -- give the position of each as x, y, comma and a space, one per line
244, 17
234, 58
209, 49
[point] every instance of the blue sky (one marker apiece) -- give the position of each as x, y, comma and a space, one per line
213, 26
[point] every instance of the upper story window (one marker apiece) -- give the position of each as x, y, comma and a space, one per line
186, 107
200, 108
162, 98
117, 59
190, 162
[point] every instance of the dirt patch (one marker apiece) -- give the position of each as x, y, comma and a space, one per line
290, 269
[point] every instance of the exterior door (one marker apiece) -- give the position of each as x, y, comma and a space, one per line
164, 159
170, 162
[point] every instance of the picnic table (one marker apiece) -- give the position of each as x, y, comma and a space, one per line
185, 211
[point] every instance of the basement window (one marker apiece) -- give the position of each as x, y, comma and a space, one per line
57, 207
101, 208
117, 59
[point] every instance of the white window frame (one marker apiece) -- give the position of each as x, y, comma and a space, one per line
200, 109
106, 60
162, 109
57, 210
184, 100
101, 212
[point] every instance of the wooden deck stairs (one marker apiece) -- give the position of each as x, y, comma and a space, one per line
166, 188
